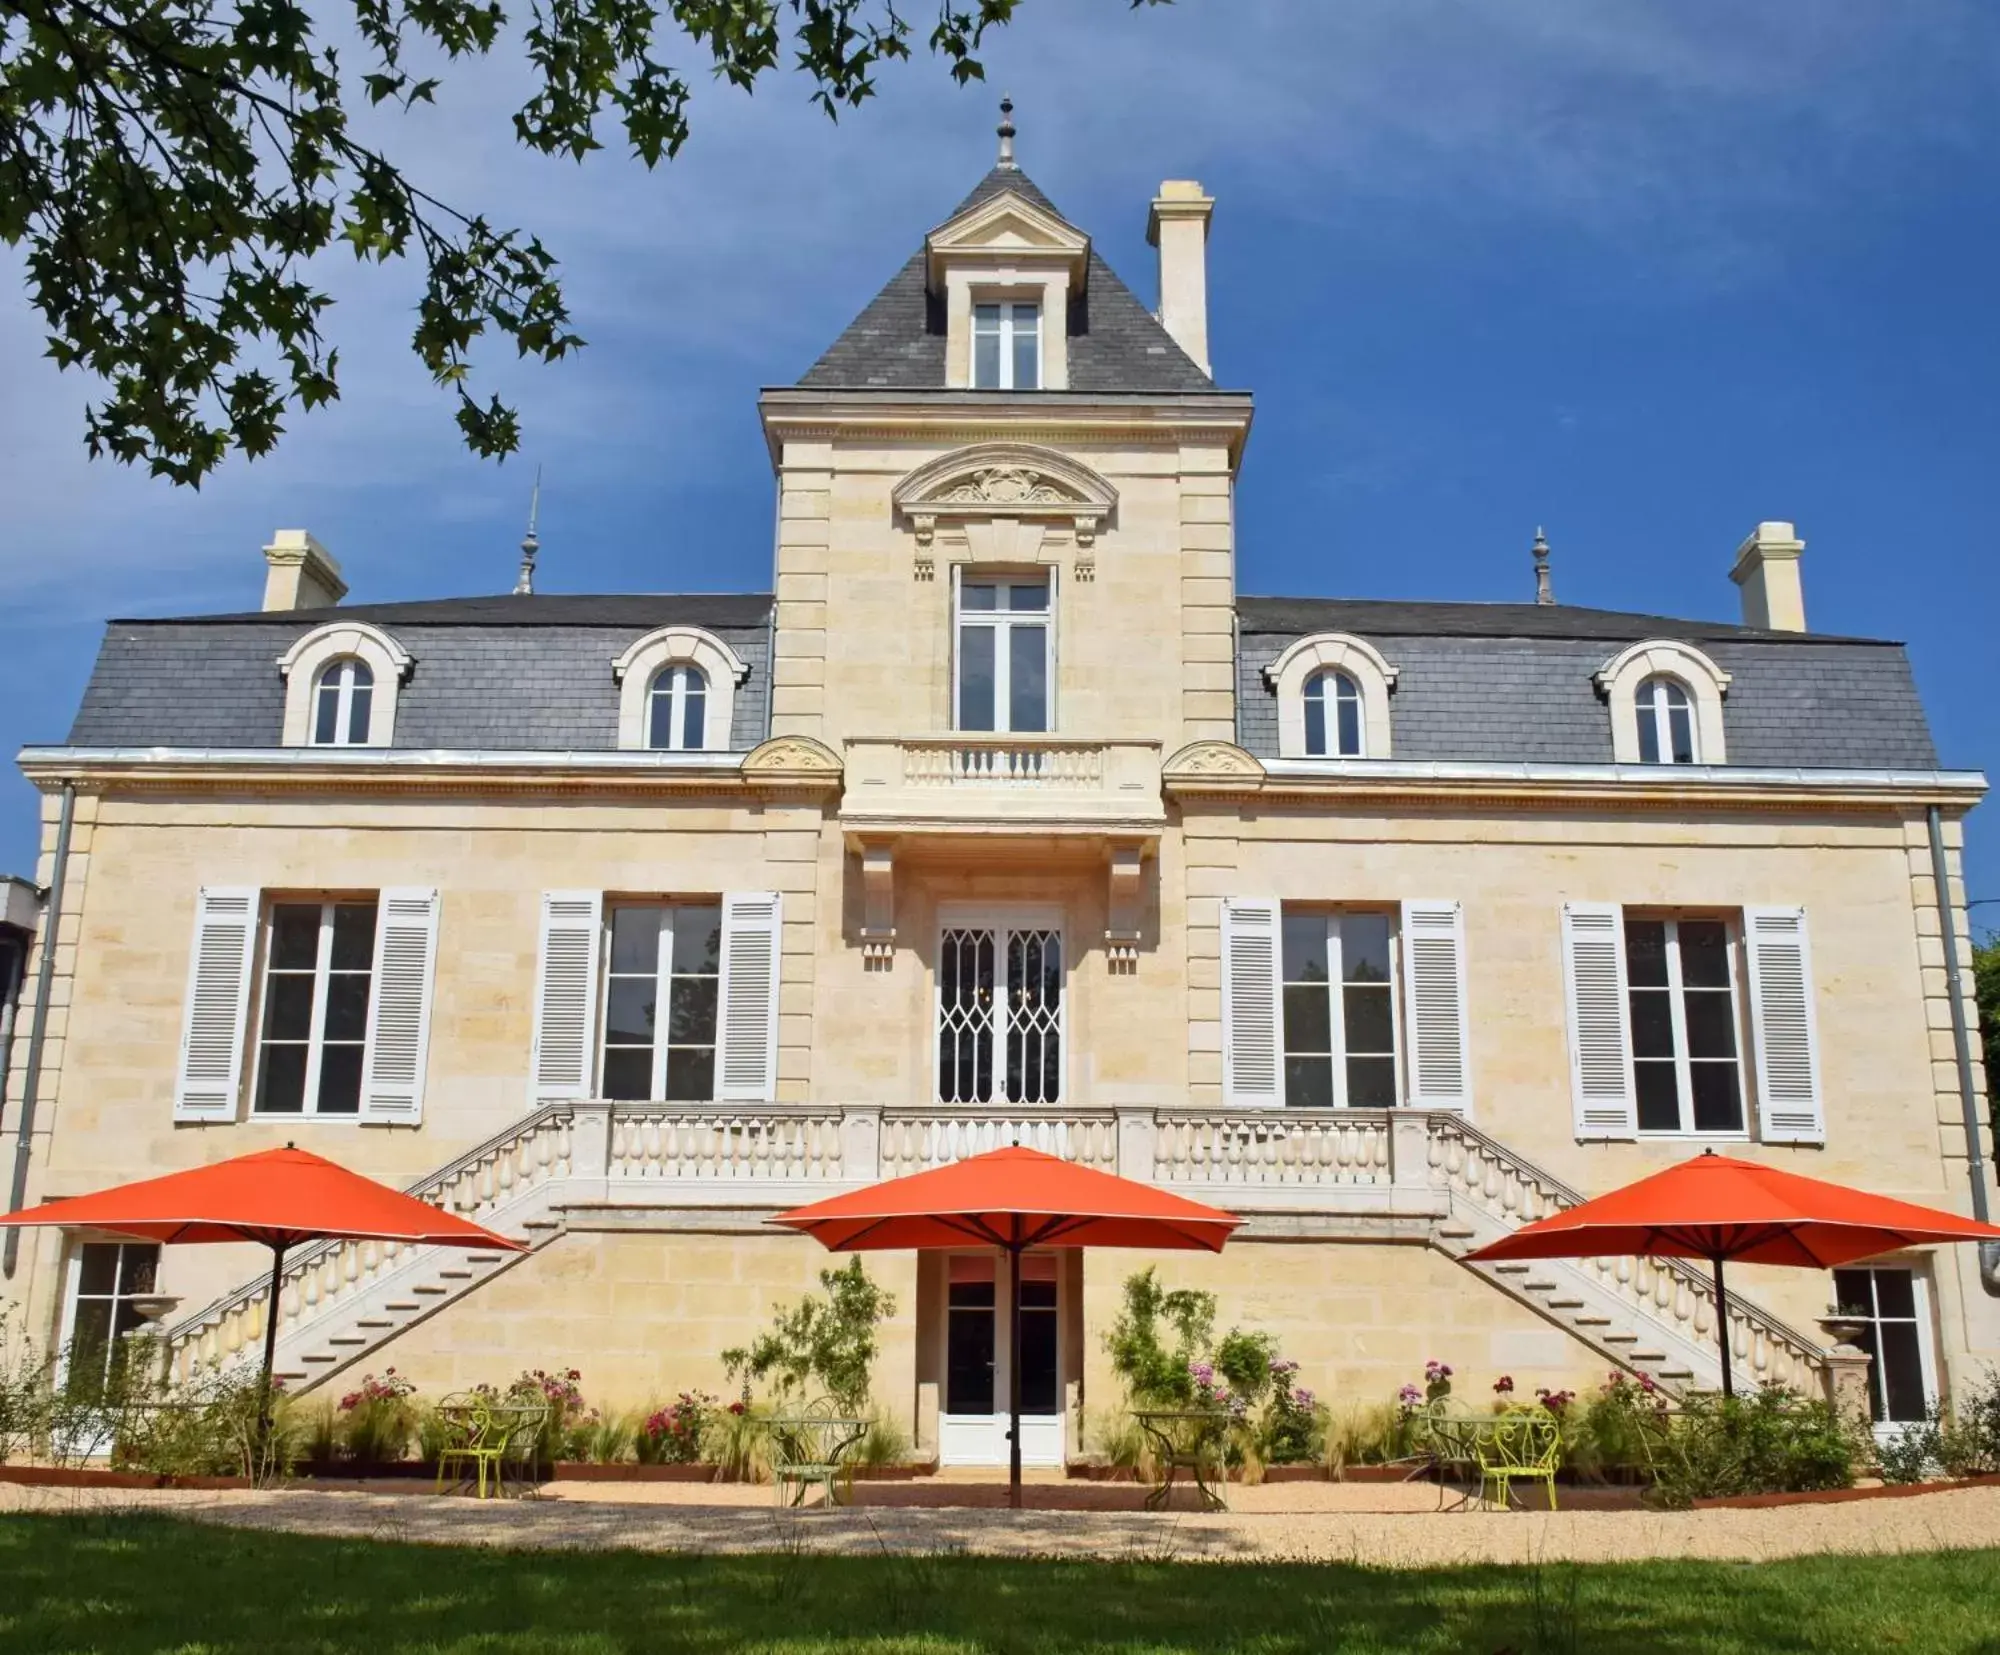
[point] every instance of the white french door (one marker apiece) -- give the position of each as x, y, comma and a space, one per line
972, 1418
1000, 1014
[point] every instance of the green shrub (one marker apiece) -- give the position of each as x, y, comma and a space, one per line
1158, 1375
609, 1439
435, 1432
1771, 1442
1374, 1433
886, 1443
377, 1419
1916, 1452
738, 1443
1621, 1430
675, 1435
27, 1383
827, 1344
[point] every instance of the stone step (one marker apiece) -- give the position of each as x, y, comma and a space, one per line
375, 1323
1455, 1232
1621, 1338
542, 1224
453, 1275
1539, 1286
485, 1258
1676, 1373
403, 1306
347, 1339
288, 1376
1510, 1269
428, 1290
1591, 1321
1565, 1304
1647, 1356
315, 1356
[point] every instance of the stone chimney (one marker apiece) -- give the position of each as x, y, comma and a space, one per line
1767, 568
302, 574
1178, 226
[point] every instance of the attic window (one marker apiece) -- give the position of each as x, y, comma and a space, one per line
1007, 347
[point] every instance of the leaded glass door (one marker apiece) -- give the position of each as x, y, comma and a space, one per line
1000, 1015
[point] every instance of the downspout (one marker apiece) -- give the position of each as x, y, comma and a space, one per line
1961, 1041
12, 976
38, 1029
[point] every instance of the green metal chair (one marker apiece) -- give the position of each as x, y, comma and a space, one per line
487, 1427
809, 1450
1525, 1446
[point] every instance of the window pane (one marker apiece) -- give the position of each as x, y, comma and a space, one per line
90, 1347
1902, 1369
1711, 1024
691, 1074
1350, 727
1895, 1293
635, 940
1680, 727
1718, 1103
629, 1011
340, 1080
1028, 598
691, 1011
288, 1001
346, 1005
1039, 1383
978, 594
353, 936
1315, 709
1649, 727
985, 361
326, 710
986, 318
969, 1349
975, 678
1659, 1097
660, 716
281, 1080
98, 1268
1371, 1082
1305, 948
295, 935
1704, 953
694, 714
1309, 1083
1371, 1022
1027, 349
139, 1269
1364, 948
628, 1072
1027, 678
358, 707
697, 940
1652, 1023
1646, 953
1308, 1019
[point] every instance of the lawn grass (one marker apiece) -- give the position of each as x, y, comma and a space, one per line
127, 1583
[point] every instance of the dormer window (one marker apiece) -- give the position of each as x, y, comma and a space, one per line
1666, 704
342, 703
1333, 717
1007, 347
675, 720
1666, 722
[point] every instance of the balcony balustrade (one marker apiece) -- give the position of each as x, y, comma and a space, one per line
1003, 783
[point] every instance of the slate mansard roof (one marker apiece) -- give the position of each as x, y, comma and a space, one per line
897, 342
1513, 682
502, 672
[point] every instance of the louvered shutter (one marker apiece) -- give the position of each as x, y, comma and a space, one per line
399, 1007
566, 994
1783, 1026
746, 1057
1434, 1005
1250, 1043
210, 1077
1600, 1036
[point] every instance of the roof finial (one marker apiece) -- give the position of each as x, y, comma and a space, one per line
1007, 133
531, 543
1544, 592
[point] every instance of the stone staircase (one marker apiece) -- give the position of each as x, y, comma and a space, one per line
1337, 1175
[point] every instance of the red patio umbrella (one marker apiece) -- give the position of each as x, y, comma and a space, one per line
279, 1197
1012, 1199
1716, 1207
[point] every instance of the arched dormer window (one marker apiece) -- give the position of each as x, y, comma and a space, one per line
1665, 698
677, 691
1333, 698
674, 709
342, 684
1666, 722
1333, 717
342, 703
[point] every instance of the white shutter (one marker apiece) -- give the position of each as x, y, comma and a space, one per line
210, 1077
1600, 1036
1434, 1005
1250, 1047
566, 994
746, 1056
1783, 1026
399, 1007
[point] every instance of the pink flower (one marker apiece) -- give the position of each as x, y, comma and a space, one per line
1504, 1385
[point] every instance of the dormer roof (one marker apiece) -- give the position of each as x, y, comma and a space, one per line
898, 341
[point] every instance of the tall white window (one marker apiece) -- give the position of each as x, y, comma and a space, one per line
1333, 717
1007, 347
661, 992
1005, 656
1000, 1015
1340, 1010
1666, 722
108, 1276
676, 709
343, 703
319, 963
1895, 1315
1687, 1073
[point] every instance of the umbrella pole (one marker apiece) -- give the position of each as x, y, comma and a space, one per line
1014, 1376
263, 1442
1722, 1327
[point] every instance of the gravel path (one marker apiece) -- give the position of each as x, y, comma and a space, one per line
1305, 1523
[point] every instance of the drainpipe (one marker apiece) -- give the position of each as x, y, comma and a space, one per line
38, 1029
1961, 1041
12, 974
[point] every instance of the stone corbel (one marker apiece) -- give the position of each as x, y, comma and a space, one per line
1123, 909
878, 909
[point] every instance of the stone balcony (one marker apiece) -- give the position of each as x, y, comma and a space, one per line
1041, 785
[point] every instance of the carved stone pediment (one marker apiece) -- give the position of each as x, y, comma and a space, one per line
1005, 480
1213, 761
792, 756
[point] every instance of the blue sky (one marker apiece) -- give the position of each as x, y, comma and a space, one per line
1641, 271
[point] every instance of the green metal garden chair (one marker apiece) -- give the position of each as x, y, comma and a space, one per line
485, 1428
809, 1449
1525, 1446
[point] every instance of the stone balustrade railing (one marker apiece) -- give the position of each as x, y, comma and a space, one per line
1296, 1149
1017, 762
982, 779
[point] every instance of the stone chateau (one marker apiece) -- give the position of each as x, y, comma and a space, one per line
622, 922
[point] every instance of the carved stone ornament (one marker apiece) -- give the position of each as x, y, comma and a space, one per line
1213, 761
999, 479
791, 756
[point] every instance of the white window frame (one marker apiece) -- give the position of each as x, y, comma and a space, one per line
316, 1039
1003, 923
1706, 684
669, 910
1337, 1001
1344, 689
1920, 1302
1002, 622
671, 681
338, 675
1676, 992
303, 664
636, 670
73, 1292
1355, 658
1007, 328
1653, 707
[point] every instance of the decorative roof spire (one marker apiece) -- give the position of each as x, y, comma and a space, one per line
1006, 130
531, 543
1544, 592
